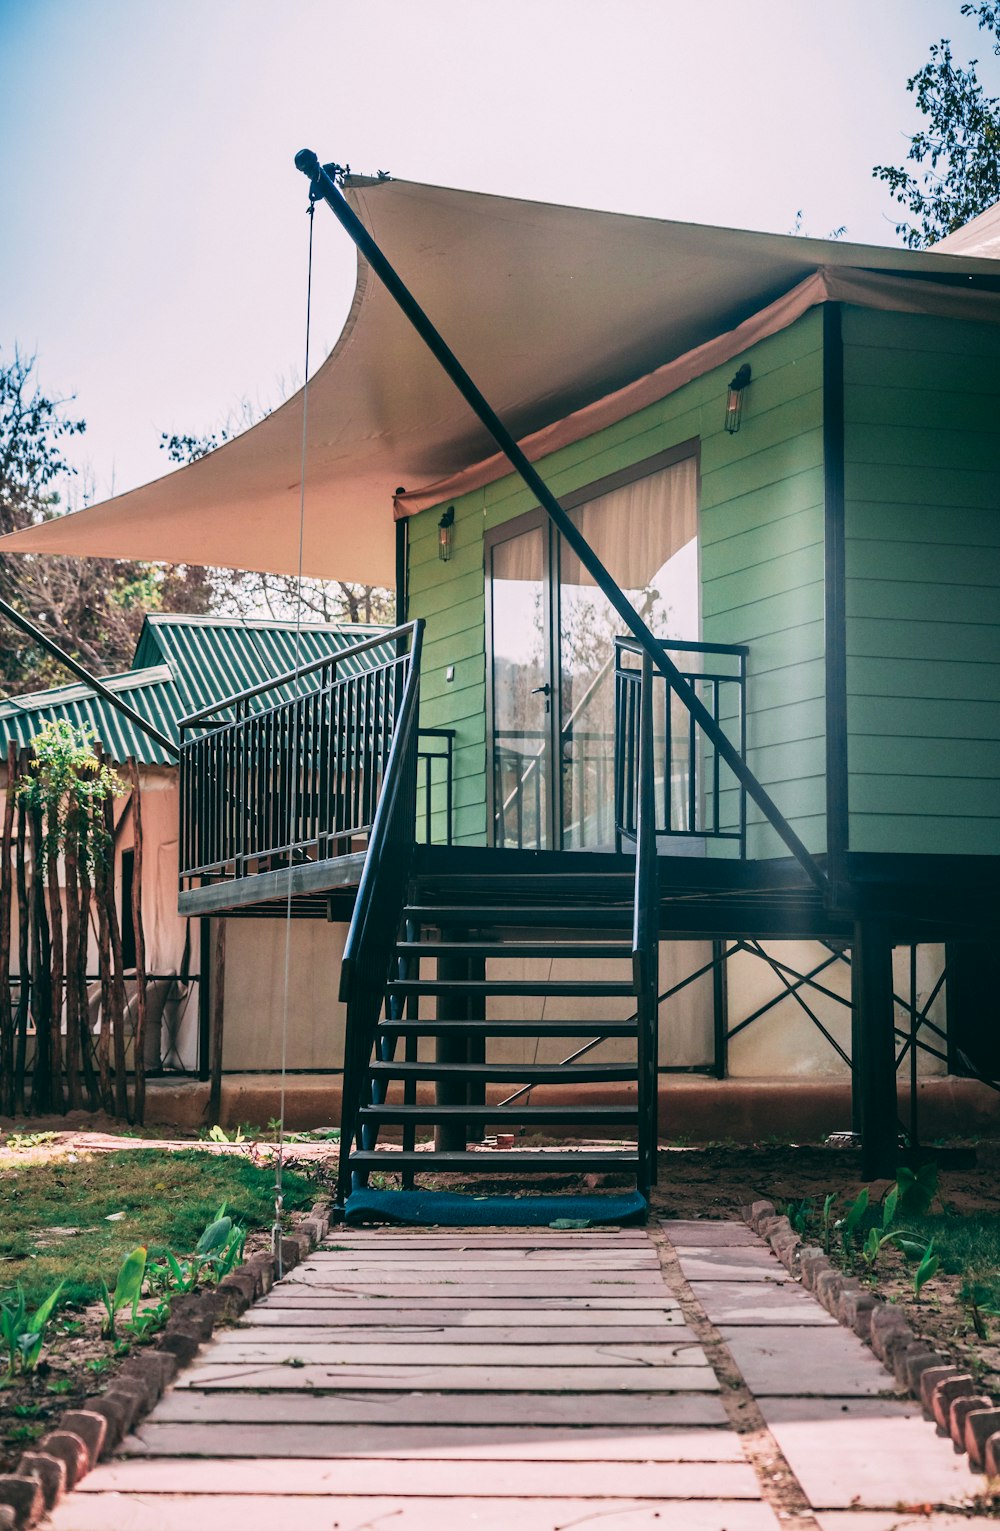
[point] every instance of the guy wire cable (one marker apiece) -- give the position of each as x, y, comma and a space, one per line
293, 777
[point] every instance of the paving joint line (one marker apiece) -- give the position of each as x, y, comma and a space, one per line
780, 1488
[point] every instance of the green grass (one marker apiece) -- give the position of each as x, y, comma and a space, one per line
167, 1198
969, 1245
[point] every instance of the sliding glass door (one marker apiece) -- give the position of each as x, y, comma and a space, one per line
550, 645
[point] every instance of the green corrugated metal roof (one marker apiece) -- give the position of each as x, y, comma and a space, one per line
182, 664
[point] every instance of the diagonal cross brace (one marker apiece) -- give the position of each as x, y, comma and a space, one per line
323, 185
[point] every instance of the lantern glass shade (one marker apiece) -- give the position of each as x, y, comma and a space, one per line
446, 532
734, 399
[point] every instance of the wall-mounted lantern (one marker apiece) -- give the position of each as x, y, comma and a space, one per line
734, 399
446, 533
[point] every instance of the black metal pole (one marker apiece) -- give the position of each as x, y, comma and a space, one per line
76, 668
875, 1071
204, 998
323, 185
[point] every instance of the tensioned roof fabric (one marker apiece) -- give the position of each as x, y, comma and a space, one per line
549, 309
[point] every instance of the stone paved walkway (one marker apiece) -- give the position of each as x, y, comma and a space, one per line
530, 1380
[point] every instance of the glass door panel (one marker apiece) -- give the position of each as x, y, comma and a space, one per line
645, 534
521, 691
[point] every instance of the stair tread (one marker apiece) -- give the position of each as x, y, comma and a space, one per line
609, 951
526, 914
568, 988
518, 1028
557, 1073
486, 1161
521, 1114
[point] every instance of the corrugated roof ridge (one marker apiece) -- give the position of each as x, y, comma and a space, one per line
192, 619
58, 696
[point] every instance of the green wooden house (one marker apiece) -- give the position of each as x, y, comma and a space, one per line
739, 685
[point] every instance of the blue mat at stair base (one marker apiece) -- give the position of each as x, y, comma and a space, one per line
450, 1209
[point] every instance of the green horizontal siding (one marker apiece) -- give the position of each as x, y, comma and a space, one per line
761, 520
922, 488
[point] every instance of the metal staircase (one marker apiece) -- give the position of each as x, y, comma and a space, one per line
445, 1055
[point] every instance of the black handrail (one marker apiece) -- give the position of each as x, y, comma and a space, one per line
380, 899
322, 184
296, 673
706, 824
645, 932
297, 778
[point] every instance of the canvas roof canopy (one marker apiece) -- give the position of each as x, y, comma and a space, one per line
550, 309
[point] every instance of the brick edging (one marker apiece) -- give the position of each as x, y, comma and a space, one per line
87, 1435
948, 1395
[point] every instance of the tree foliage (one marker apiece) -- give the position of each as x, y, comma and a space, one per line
92, 607
68, 784
952, 169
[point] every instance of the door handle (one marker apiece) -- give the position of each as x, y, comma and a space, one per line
545, 690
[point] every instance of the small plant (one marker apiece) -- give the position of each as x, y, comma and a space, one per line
925, 1270
799, 1214
851, 1222
149, 1320
218, 1134
128, 1290
216, 1252
19, 1141
23, 1333
917, 1191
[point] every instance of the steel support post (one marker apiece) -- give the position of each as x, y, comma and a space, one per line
874, 1086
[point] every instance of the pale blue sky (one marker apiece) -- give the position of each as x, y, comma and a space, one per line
153, 245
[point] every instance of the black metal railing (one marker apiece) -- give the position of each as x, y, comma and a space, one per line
377, 909
291, 770
646, 926
435, 784
696, 795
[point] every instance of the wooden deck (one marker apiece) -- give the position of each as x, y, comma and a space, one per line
536, 1380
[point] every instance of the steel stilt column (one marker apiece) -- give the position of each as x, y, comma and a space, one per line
875, 1061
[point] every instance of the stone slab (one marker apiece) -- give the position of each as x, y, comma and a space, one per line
551, 1410
901, 1520
426, 1378
778, 1362
503, 1443
742, 1264
459, 1323
869, 1453
168, 1512
447, 1259
317, 1298
444, 1269
417, 1477
443, 1334
760, 1302
695, 1233
531, 1284
238, 1350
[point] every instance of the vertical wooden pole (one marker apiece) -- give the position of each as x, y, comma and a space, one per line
218, 1015
87, 1047
875, 1069
6, 1013
117, 969
140, 948
56, 972
23, 959
71, 856
42, 1092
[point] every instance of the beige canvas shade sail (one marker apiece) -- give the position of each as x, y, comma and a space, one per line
550, 309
